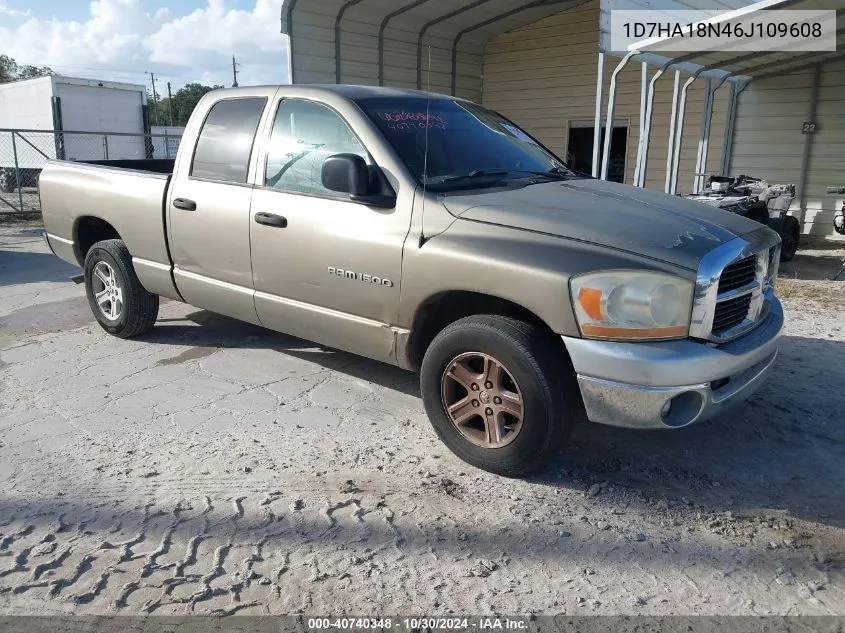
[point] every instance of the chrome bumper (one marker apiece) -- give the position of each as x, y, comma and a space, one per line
674, 383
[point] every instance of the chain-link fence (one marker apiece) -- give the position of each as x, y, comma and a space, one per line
23, 154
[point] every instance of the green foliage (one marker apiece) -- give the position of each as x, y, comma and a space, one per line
184, 101
11, 71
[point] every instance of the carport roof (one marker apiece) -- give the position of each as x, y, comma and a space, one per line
441, 23
343, 40
759, 63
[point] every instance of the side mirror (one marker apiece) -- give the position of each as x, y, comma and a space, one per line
346, 173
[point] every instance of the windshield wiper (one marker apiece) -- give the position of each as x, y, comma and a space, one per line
555, 172
473, 175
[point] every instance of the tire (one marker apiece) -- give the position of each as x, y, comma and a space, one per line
790, 238
544, 381
134, 310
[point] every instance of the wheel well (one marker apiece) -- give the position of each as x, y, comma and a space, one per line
442, 309
89, 231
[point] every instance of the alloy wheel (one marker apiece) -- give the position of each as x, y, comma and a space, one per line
483, 401
107, 291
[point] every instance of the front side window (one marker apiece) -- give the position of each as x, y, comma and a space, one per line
304, 135
226, 139
467, 144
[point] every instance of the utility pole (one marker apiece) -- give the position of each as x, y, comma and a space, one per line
155, 97
170, 103
234, 72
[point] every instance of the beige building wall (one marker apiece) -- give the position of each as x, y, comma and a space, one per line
769, 143
543, 76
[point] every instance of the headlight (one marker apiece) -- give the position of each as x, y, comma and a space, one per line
772, 268
632, 305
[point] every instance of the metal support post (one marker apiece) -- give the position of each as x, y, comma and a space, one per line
672, 127
736, 90
643, 94
808, 144
679, 133
18, 179
597, 127
611, 103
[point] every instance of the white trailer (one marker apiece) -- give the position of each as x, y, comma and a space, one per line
70, 118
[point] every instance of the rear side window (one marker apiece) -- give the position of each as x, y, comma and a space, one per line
226, 139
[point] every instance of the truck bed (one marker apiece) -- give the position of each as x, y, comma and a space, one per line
84, 201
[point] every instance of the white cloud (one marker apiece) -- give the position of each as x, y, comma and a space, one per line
7, 11
120, 40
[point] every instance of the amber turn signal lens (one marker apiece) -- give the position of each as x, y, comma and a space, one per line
590, 300
600, 331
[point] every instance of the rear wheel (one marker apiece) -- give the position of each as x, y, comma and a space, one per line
121, 305
790, 238
497, 394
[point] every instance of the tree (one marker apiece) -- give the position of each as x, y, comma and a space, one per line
10, 71
184, 101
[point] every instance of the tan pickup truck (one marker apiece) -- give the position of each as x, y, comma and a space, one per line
431, 233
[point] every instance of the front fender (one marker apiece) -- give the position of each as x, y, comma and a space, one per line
529, 269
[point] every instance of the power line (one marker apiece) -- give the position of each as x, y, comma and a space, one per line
137, 73
123, 71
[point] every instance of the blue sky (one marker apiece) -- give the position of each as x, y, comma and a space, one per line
122, 40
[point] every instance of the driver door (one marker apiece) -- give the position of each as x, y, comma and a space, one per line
325, 268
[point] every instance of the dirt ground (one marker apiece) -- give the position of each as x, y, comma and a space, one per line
10, 203
216, 467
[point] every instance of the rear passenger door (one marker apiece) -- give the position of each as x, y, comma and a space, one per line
208, 209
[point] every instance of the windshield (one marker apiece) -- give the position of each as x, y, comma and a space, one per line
468, 145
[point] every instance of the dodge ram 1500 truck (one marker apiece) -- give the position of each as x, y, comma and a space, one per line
434, 234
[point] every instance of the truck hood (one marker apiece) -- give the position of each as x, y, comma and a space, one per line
639, 221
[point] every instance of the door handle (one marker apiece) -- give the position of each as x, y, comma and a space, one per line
185, 204
271, 219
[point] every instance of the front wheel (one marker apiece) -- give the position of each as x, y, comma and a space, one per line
789, 239
497, 393
121, 305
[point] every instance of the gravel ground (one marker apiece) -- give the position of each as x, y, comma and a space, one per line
216, 467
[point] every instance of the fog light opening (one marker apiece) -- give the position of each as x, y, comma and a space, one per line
718, 384
681, 410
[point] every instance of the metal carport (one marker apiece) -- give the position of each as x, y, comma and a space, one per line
397, 43
385, 42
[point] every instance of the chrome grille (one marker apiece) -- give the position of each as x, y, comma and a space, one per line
733, 286
738, 274
731, 312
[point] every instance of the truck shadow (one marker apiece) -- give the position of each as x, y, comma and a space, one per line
783, 449
20, 267
216, 331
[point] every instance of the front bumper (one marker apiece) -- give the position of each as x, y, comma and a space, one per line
673, 383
